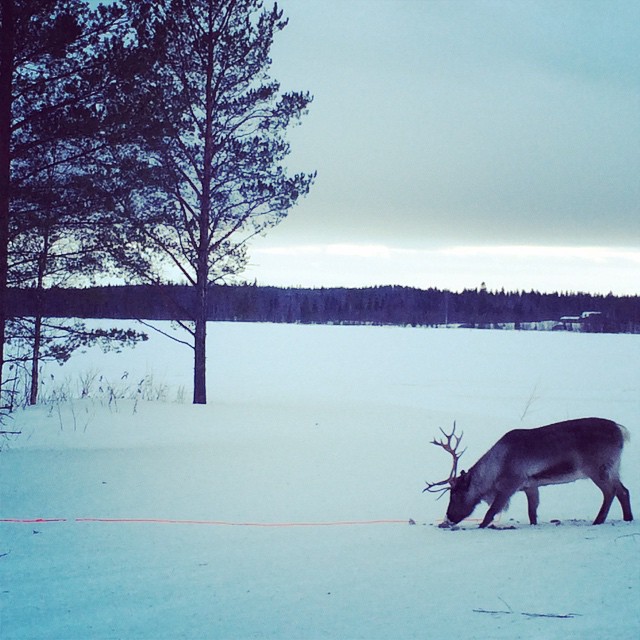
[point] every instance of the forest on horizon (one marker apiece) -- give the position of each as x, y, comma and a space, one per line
384, 305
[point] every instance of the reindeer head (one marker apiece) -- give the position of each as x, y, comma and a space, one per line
459, 501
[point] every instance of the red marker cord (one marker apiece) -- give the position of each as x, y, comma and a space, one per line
219, 523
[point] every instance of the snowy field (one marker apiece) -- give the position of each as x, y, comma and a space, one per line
327, 429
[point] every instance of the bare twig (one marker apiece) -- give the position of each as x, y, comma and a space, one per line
550, 615
493, 612
628, 535
532, 398
564, 616
165, 334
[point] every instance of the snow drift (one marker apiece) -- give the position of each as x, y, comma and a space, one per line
313, 425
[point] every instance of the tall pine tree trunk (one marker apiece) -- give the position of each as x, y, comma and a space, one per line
202, 289
201, 303
37, 329
35, 359
6, 81
202, 266
200, 345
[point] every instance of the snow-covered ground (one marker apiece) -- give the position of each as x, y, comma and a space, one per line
315, 425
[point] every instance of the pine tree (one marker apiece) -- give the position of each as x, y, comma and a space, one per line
213, 149
54, 77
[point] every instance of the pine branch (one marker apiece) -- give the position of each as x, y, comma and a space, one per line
165, 334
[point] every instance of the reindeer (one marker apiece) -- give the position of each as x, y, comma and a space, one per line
525, 459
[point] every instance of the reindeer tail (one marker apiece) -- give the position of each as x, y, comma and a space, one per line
626, 435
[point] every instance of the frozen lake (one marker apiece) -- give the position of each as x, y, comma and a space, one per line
312, 425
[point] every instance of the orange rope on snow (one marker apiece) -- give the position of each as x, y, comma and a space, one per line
224, 523
219, 523
32, 520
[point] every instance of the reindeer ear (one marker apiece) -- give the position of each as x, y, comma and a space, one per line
465, 480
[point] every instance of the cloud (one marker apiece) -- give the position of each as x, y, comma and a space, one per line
461, 142
466, 123
587, 254
315, 250
542, 268
359, 251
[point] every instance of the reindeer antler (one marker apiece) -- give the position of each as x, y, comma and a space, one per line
450, 444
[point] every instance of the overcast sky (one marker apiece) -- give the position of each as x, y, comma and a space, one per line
462, 141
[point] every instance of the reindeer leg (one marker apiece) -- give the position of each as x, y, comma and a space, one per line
499, 503
608, 493
622, 493
533, 500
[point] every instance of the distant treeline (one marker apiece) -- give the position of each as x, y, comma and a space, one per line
389, 305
